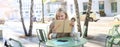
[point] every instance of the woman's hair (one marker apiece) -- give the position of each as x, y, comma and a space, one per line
73, 19
60, 10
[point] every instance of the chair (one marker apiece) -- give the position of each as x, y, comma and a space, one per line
41, 36
13, 43
113, 37
84, 32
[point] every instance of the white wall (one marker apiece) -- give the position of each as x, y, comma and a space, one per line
70, 12
107, 7
95, 5
81, 4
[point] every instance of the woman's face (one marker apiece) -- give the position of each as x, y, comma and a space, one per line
61, 16
73, 20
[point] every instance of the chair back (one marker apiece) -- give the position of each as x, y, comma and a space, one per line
13, 43
41, 35
114, 31
83, 33
113, 37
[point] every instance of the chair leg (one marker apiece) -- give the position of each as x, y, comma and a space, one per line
106, 42
82, 45
109, 44
119, 44
42, 44
39, 44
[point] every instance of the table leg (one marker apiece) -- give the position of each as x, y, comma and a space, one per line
81, 46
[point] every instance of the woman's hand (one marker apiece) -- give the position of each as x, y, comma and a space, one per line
49, 36
72, 24
54, 30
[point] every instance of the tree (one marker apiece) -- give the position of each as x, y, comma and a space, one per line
31, 18
43, 11
87, 18
78, 17
22, 20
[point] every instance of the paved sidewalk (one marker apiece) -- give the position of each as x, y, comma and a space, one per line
97, 32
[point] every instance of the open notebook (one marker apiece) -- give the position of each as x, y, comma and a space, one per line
63, 26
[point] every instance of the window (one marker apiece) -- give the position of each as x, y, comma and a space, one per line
114, 7
38, 15
53, 7
26, 12
17, 1
71, 8
101, 5
85, 6
37, 11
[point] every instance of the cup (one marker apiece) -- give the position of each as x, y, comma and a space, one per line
77, 36
53, 35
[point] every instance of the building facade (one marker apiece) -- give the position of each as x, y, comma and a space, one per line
14, 13
107, 7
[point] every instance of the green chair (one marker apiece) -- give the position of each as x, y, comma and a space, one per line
83, 34
41, 36
13, 43
113, 37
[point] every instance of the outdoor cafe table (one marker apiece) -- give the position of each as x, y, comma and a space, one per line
69, 43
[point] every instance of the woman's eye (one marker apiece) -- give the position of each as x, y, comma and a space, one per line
58, 16
61, 15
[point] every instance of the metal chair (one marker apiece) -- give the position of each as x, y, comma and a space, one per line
83, 34
13, 43
113, 37
41, 36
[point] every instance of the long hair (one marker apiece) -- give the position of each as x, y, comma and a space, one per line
61, 11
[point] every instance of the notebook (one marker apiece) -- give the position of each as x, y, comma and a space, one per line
63, 26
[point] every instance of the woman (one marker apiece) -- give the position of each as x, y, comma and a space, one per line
60, 15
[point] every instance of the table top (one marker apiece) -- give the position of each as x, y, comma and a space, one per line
70, 42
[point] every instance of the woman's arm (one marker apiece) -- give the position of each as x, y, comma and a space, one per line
50, 30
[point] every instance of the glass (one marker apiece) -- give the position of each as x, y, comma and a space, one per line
53, 35
76, 36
